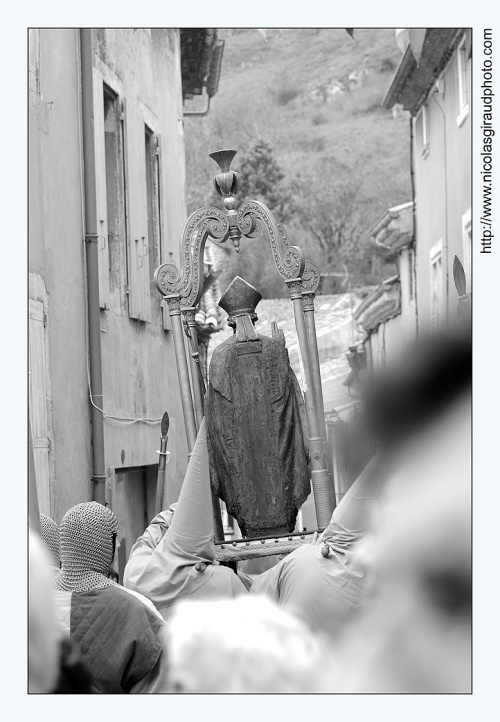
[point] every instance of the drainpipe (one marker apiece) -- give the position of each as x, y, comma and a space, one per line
414, 213
91, 248
445, 244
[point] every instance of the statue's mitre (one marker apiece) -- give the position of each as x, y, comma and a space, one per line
240, 298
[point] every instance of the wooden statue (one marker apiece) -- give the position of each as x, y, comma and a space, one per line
255, 423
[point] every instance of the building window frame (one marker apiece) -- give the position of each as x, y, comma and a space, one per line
411, 274
154, 209
422, 119
436, 285
467, 249
463, 96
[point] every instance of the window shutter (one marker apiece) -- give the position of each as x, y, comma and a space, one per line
467, 249
137, 218
436, 285
101, 202
162, 206
38, 403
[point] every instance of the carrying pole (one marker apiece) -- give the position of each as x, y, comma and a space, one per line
198, 391
312, 341
324, 500
199, 397
187, 399
183, 373
162, 464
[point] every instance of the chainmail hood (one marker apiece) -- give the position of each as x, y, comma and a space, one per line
50, 536
87, 543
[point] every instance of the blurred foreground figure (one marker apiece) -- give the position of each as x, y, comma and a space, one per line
43, 649
172, 565
51, 539
415, 633
55, 661
245, 646
120, 633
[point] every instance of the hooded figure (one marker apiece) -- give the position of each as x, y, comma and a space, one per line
119, 632
163, 565
51, 538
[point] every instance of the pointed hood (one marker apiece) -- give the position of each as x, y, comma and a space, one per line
191, 532
168, 574
352, 517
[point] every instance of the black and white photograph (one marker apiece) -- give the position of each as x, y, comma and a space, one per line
248, 368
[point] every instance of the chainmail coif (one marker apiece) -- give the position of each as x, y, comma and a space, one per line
87, 536
50, 536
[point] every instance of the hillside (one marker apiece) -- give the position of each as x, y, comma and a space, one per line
314, 99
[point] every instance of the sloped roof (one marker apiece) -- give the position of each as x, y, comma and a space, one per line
201, 57
395, 229
335, 330
381, 305
412, 82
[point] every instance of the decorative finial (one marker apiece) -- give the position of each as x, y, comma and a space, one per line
223, 158
227, 183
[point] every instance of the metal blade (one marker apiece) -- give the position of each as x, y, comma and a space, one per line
165, 423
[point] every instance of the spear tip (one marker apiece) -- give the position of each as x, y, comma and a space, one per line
165, 423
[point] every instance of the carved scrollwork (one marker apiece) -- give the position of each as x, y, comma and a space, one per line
248, 223
186, 282
167, 276
289, 260
310, 278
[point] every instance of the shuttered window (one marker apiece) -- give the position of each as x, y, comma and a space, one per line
462, 72
101, 202
38, 403
436, 285
467, 249
137, 214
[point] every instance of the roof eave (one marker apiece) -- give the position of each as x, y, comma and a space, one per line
403, 72
380, 306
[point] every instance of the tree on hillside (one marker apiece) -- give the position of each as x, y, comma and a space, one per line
334, 210
264, 180
330, 204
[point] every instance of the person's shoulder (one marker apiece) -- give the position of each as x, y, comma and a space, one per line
222, 575
127, 604
303, 555
143, 600
118, 594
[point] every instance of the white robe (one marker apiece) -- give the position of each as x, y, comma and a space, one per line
325, 591
161, 566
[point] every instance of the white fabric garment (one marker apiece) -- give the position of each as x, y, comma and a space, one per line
166, 573
324, 591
